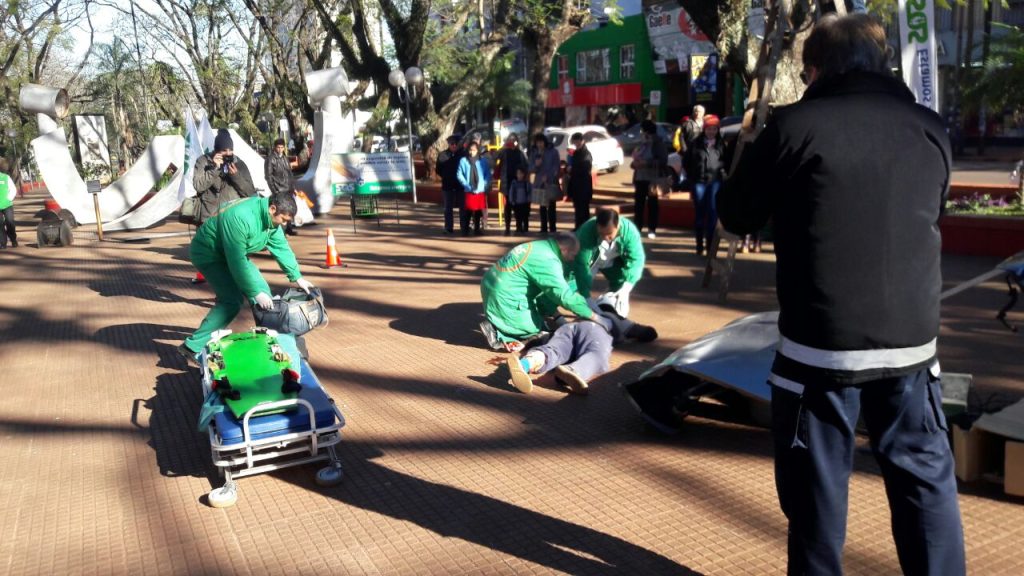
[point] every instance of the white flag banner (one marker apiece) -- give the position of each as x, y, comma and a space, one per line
917, 50
193, 150
206, 133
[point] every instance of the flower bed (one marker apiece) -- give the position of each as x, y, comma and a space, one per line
985, 204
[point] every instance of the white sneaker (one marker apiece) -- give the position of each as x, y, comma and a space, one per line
651, 235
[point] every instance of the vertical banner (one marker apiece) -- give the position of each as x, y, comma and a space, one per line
92, 141
193, 150
917, 50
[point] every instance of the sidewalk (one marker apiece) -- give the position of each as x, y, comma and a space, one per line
449, 470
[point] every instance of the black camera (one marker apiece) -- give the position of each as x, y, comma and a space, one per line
228, 159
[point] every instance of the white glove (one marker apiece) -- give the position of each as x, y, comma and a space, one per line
264, 301
621, 297
304, 285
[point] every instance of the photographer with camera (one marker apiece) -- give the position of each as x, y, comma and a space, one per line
220, 177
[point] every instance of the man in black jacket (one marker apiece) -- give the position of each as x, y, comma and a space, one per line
448, 168
278, 172
855, 176
581, 180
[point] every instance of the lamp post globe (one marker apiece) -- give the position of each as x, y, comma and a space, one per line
414, 76
396, 79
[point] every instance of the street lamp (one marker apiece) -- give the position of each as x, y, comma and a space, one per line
405, 84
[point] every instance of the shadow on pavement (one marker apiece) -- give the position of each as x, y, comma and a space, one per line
455, 513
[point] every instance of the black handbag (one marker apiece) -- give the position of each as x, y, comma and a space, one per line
295, 312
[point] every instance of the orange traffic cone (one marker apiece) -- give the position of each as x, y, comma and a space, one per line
332, 253
199, 279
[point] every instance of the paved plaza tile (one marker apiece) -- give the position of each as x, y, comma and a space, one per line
449, 470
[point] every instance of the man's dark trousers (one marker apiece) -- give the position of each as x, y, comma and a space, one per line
814, 448
452, 199
583, 346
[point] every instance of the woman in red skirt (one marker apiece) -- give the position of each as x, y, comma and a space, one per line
475, 176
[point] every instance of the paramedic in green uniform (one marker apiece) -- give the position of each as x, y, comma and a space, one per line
527, 284
8, 191
611, 245
221, 249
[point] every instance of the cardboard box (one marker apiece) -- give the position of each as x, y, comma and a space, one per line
1014, 478
975, 452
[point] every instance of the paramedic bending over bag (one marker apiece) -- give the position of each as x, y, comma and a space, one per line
220, 250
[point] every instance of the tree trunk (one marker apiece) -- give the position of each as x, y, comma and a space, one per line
985, 46
544, 47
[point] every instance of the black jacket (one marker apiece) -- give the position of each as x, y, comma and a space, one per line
703, 164
855, 176
448, 168
278, 173
581, 183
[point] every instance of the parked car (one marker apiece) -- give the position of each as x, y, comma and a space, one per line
379, 144
607, 151
630, 138
401, 144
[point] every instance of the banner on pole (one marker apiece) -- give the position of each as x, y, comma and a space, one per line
918, 52
382, 173
193, 150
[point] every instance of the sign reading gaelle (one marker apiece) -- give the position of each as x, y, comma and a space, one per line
917, 50
382, 173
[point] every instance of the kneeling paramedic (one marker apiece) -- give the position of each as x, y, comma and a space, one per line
221, 249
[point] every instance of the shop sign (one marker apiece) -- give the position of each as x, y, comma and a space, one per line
673, 36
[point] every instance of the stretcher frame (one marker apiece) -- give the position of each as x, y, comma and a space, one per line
254, 456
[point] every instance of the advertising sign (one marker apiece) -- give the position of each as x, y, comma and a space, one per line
378, 173
92, 140
674, 36
917, 48
704, 76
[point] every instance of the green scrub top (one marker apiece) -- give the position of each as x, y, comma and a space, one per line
519, 284
627, 267
241, 228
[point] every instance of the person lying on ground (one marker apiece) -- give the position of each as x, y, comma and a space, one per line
577, 351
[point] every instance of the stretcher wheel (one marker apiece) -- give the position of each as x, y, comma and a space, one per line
329, 475
224, 497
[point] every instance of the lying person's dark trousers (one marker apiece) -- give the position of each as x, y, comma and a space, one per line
583, 346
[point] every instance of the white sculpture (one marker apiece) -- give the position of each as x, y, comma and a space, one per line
60, 174
325, 88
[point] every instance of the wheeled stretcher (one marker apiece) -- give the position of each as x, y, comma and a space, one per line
275, 434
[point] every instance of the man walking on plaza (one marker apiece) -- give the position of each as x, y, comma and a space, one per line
8, 192
448, 169
278, 173
221, 249
581, 180
527, 284
858, 275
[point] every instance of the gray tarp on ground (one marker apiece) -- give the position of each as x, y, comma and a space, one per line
738, 355
1007, 422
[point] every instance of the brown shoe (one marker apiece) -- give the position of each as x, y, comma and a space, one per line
568, 377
